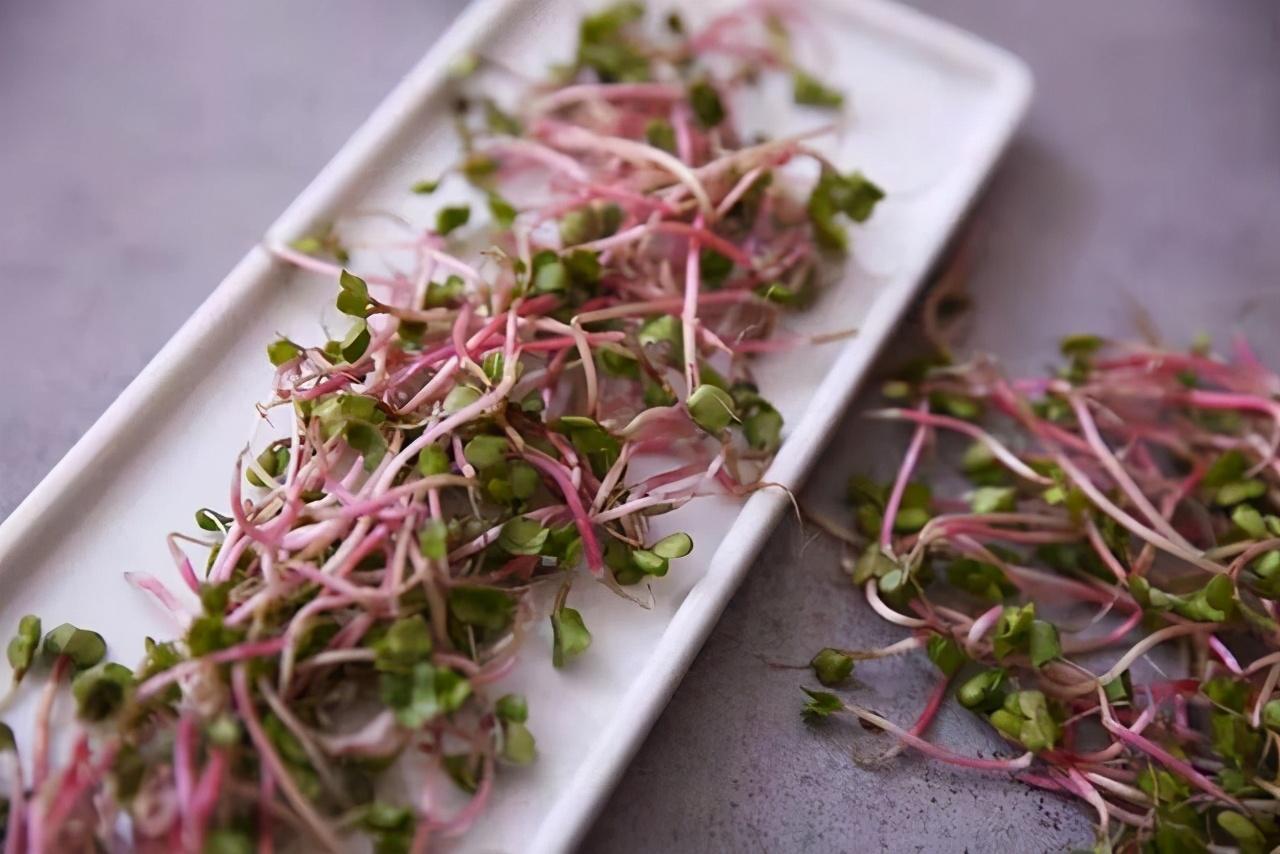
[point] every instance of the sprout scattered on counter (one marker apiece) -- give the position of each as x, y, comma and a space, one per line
1128, 502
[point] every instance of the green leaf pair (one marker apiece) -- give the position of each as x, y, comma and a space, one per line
444, 294
1013, 631
353, 295
592, 441
821, 704
83, 647
603, 45
570, 637
101, 690
660, 134
22, 648
983, 692
1026, 718
576, 270
832, 666
282, 351
706, 104
811, 92
405, 644
631, 565
985, 580
946, 654
1213, 603
423, 693
274, 460
1020, 631
590, 222
451, 218
761, 422
852, 195
518, 745
513, 483
485, 608
712, 409
869, 499
523, 536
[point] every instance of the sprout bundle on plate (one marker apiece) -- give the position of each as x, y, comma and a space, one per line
468, 436
1128, 503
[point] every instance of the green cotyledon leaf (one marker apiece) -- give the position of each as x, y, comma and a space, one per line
570, 635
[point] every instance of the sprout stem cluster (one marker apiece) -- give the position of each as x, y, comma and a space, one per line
559, 354
1103, 593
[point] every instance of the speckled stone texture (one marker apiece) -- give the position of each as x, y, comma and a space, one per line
146, 145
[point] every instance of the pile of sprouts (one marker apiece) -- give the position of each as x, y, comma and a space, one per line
468, 438
1124, 505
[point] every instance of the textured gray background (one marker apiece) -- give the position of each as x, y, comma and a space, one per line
146, 145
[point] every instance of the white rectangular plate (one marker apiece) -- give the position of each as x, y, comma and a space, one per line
932, 108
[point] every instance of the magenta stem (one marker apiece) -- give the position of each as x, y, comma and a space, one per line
900, 485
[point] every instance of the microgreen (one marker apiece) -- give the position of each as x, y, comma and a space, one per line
460, 397
1133, 483
592, 441
1013, 632
100, 691
282, 351
660, 134
714, 267
423, 693
993, 499
353, 295
390, 825
711, 408
604, 46
211, 520
406, 643
983, 691
499, 121
1043, 643
324, 242
502, 211
831, 666
482, 421
366, 440
433, 539
485, 451
985, 580
820, 704
21, 650
946, 654
570, 637
273, 460
852, 195
522, 536
590, 222
452, 217
512, 708
483, 607
705, 101
83, 647
663, 329
355, 342
808, 90
433, 460
518, 746
1026, 718
673, 546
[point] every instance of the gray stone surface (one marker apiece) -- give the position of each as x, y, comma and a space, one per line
146, 145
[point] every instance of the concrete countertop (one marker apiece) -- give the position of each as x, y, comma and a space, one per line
146, 145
